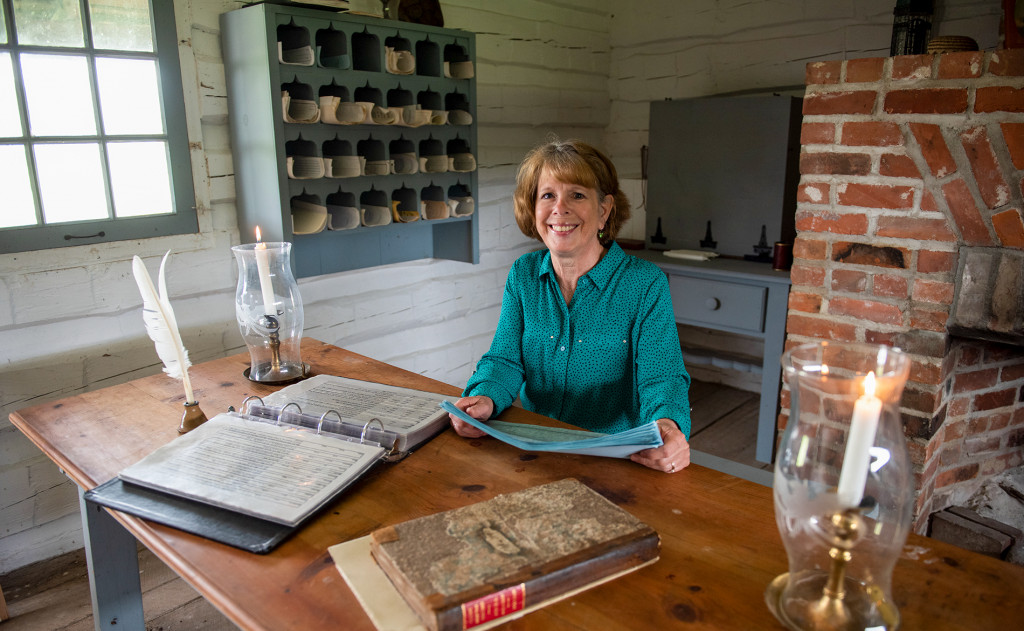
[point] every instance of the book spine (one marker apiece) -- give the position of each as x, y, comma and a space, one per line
544, 585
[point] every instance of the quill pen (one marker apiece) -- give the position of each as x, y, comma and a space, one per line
161, 325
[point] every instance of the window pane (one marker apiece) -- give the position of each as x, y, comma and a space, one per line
129, 96
10, 121
58, 94
48, 23
18, 208
121, 25
139, 178
71, 182
3, 25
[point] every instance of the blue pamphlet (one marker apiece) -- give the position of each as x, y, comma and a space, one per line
568, 441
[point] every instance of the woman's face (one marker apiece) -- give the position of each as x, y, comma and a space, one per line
569, 216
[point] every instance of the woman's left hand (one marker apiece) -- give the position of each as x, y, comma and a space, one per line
672, 456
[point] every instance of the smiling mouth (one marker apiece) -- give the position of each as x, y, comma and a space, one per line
561, 228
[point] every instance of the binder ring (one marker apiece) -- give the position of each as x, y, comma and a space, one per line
320, 424
285, 408
245, 402
362, 435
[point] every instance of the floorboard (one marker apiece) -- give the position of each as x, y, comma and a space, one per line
54, 595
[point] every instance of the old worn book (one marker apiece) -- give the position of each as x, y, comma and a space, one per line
471, 565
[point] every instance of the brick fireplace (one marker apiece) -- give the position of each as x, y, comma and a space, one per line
910, 232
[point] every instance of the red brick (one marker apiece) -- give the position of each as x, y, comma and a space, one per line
835, 163
849, 280
895, 165
817, 133
823, 103
871, 134
999, 99
975, 380
933, 148
802, 301
937, 292
1013, 136
870, 310
836, 223
1007, 62
912, 67
1009, 227
888, 286
856, 253
993, 188
864, 70
876, 196
813, 193
823, 72
926, 101
999, 421
928, 204
804, 248
966, 65
1011, 373
925, 372
914, 228
993, 400
931, 262
820, 328
807, 276
965, 213
960, 474
929, 319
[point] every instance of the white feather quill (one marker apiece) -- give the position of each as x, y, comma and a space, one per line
161, 325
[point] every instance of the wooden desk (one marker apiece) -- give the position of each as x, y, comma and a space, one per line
720, 544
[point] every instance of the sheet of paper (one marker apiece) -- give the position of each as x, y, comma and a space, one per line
399, 409
563, 440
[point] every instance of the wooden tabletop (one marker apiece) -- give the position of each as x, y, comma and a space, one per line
720, 546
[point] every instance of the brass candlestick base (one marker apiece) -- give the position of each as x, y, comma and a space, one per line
815, 600
191, 418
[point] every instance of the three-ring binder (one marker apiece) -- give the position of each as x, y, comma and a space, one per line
291, 414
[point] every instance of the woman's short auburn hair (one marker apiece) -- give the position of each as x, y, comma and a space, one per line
572, 162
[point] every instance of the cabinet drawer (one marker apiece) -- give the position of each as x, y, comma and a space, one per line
718, 304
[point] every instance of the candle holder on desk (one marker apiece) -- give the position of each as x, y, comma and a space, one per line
843, 487
269, 312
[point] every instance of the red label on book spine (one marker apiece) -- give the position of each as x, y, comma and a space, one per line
496, 605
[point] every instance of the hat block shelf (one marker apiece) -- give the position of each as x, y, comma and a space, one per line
399, 190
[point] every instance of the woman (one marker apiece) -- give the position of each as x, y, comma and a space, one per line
586, 333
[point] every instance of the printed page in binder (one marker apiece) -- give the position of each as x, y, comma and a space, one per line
413, 415
274, 471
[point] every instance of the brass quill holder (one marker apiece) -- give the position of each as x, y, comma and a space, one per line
269, 312
191, 418
842, 489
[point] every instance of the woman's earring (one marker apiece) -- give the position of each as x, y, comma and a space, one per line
600, 233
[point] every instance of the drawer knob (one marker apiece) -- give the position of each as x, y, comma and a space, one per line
712, 304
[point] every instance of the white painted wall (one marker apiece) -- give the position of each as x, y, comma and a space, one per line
70, 319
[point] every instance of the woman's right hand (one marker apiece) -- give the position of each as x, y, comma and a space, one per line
479, 407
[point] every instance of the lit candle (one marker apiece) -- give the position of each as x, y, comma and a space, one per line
859, 441
263, 267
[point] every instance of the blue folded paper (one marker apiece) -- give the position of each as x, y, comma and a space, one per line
569, 441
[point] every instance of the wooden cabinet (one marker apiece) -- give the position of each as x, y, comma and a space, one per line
373, 120
741, 297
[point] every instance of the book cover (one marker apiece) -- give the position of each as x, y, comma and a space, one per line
464, 567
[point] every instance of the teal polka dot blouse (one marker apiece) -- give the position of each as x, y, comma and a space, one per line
608, 361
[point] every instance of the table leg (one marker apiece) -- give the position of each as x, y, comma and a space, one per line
112, 556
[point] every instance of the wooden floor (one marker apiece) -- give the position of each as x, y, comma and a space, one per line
53, 595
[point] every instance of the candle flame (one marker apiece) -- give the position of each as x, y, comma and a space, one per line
869, 385
258, 236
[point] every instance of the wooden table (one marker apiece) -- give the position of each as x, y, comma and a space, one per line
720, 544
